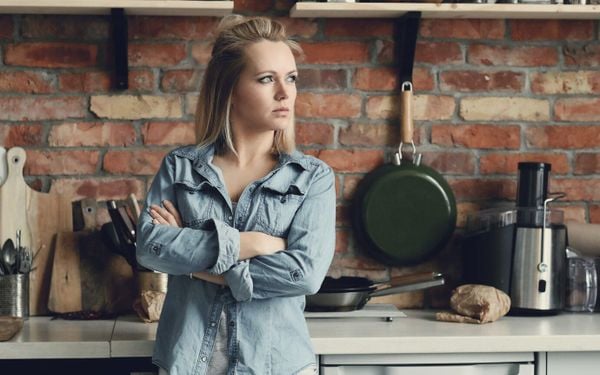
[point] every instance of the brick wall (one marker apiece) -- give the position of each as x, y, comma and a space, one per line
488, 94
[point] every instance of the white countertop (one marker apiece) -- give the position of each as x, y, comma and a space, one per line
417, 333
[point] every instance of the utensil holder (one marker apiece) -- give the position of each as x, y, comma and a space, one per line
14, 295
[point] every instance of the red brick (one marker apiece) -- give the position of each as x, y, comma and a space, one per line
374, 79
504, 163
252, 5
6, 26
577, 109
350, 184
425, 107
141, 80
61, 162
558, 30
354, 161
201, 52
327, 105
462, 29
511, 55
314, 134
578, 189
100, 188
32, 108
358, 27
477, 136
595, 214
183, 28
478, 188
573, 213
168, 133
26, 82
370, 135
332, 79
20, 135
138, 162
342, 215
84, 82
51, 55
335, 52
580, 82
463, 210
156, 55
438, 53
450, 162
65, 27
341, 241
567, 137
467, 81
300, 27
181, 80
587, 163
384, 51
97, 134
587, 55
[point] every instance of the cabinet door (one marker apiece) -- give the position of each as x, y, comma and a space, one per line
573, 363
481, 369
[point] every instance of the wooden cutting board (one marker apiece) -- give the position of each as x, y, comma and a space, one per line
86, 275
9, 326
3, 170
39, 216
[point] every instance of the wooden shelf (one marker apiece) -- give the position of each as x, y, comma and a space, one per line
431, 10
132, 7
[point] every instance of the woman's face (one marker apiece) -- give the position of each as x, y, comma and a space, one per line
264, 97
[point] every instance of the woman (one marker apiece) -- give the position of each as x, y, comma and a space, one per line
243, 224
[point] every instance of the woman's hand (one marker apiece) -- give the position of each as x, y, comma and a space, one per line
166, 215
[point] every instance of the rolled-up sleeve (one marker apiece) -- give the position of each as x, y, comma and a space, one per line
301, 268
214, 247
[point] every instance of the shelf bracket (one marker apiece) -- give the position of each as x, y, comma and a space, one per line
406, 29
118, 22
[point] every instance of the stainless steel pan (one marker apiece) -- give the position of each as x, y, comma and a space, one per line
352, 293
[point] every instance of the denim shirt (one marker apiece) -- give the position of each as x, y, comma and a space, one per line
264, 300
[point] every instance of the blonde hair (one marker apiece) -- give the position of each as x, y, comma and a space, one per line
227, 62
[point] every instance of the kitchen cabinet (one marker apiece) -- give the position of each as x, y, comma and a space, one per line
132, 7
431, 10
569, 363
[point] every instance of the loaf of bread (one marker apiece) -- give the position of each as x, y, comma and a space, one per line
475, 303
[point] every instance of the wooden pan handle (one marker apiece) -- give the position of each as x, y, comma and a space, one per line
406, 122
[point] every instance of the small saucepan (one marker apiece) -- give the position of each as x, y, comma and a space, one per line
350, 293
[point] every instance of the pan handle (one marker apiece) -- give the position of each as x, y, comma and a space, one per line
406, 124
408, 288
409, 279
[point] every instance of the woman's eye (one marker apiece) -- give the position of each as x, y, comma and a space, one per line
265, 79
292, 79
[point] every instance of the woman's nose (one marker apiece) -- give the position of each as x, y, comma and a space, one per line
281, 93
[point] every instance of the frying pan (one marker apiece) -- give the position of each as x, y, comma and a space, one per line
404, 212
349, 293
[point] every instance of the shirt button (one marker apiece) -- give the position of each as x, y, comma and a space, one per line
230, 217
212, 324
203, 359
232, 323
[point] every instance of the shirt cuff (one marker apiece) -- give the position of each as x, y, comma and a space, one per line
228, 239
239, 281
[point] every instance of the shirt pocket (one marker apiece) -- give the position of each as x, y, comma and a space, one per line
194, 201
278, 206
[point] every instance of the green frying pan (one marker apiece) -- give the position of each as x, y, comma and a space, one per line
404, 212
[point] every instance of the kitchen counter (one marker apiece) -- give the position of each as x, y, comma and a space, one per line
417, 333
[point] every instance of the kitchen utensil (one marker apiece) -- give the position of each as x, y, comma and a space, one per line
14, 295
124, 233
134, 208
9, 256
128, 226
404, 212
87, 276
112, 241
582, 282
352, 293
39, 216
539, 260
